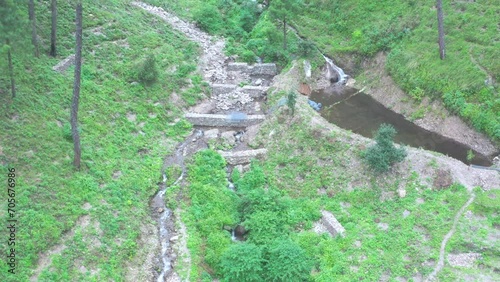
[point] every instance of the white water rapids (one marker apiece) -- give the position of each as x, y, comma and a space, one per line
332, 67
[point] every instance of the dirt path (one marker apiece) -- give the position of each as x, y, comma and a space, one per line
440, 263
212, 58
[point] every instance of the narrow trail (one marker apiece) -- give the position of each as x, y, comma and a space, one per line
440, 263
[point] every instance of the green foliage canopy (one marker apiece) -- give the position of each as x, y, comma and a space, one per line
384, 154
242, 262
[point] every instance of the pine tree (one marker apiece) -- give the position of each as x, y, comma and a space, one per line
76, 87
9, 21
284, 11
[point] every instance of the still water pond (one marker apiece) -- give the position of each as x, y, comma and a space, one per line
363, 115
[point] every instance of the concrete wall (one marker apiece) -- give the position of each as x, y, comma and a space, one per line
242, 157
256, 69
223, 120
254, 91
218, 89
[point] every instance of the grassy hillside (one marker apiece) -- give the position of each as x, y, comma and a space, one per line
126, 129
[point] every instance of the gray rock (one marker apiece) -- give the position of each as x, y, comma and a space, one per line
332, 224
228, 137
211, 134
406, 213
240, 231
239, 168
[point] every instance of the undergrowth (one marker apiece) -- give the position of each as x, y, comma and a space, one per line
126, 129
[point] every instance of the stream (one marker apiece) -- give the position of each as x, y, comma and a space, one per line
158, 203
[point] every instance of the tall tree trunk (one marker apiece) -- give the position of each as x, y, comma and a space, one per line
284, 34
32, 17
53, 9
11, 71
76, 87
442, 54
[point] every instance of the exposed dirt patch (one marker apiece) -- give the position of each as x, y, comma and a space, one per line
45, 259
145, 257
443, 179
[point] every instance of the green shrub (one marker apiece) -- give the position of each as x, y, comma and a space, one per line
306, 48
242, 262
384, 154
148, 71
291, 101
248, 56
287, 262
208, 18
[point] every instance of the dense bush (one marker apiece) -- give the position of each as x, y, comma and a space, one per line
208, 18
148, 71
384, 154
287, 262
242, 262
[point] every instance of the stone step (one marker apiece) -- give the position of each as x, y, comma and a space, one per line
231, 120
252, 91
256, 69
242, 157
218, 89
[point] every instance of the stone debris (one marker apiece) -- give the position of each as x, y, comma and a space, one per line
63, 65
406, 213
232, 100
463, 260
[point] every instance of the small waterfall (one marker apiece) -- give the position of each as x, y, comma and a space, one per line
332, 67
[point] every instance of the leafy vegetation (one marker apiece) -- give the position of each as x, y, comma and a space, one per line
126, 130
252, 32
291, 101
384, 154
148, 71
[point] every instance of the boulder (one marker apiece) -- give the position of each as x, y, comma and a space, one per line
442, 179
304, 89
211, 134
228, 137
240, 231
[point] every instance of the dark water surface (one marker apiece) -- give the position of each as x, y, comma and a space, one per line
363, 115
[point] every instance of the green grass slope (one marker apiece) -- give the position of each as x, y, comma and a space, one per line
126, 129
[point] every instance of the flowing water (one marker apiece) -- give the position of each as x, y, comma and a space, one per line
158, 202
331, 67
356, 111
